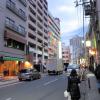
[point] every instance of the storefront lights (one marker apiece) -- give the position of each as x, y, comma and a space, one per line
88, 43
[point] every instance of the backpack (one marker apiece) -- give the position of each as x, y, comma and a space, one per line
74, 87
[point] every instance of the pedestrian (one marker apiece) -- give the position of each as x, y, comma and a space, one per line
73, 85
97, 72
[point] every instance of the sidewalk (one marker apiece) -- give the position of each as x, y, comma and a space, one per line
8, 80
88, 88
14, 79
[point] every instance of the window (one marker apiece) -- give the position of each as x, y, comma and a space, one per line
41, 1
41, 21
39, 12
21, 29
31, 36
9, 43
32, 27
45, 25
21, 12
10, 21
39, 5
11, 3
15, 44
39, 26
32, 19
32, 11
32, 3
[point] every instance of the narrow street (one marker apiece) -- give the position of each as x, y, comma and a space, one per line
46, 88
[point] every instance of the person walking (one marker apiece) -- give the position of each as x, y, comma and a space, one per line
73, 85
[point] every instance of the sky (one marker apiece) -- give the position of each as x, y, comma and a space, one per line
71, 18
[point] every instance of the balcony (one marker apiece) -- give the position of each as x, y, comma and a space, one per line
15, 29
39, 51
46, 54
32, 49
18, 12
23, 2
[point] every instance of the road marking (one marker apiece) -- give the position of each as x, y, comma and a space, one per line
9, 98
47, 83
10, 84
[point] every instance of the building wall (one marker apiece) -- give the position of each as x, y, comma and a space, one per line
98, 34
54, 36
77, 49
66, 55
13, 57
5, 12
38, 10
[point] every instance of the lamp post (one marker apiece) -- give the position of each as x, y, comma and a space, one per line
42, 57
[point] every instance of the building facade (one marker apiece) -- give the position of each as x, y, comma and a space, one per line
37, 37
53, 36
93, 35
66, 55
78, 50
13, 20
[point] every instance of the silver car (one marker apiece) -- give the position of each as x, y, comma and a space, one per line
72, 66
28, 74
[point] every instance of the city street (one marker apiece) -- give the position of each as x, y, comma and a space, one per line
46, 88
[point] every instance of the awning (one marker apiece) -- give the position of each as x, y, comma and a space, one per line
13, 59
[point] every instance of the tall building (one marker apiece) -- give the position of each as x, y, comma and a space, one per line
92, 9
66, 55
54, 36
37, 37
13, 23
78, 50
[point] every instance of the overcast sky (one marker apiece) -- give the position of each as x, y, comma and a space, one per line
70, 16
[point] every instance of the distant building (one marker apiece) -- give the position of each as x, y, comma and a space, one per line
66, 54
77, 49
54, 38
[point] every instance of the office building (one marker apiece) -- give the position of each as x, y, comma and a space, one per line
13, 22
37, 37
54, 36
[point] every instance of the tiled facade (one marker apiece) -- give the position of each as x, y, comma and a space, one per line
13, 23
54, 36
13, 28
38, 29
66, 55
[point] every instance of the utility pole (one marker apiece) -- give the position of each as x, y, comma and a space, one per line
42, 57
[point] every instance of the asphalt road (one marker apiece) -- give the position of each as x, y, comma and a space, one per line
46, 88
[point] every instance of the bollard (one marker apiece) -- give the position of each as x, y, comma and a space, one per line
89, 83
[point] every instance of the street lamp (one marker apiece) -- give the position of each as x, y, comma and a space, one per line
88, 43
42, 57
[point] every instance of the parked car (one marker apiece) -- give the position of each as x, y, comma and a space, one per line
72, 66
28, 74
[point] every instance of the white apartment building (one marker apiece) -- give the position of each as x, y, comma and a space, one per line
37, 37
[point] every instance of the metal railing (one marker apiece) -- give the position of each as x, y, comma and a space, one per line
23, 2
15, 28
13, 8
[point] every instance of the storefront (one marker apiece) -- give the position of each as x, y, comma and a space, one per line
10, 66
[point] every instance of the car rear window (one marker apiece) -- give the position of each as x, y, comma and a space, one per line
73, 67
24, 71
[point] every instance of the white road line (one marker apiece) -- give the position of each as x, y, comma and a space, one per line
9, 84
47, 83
9, 98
